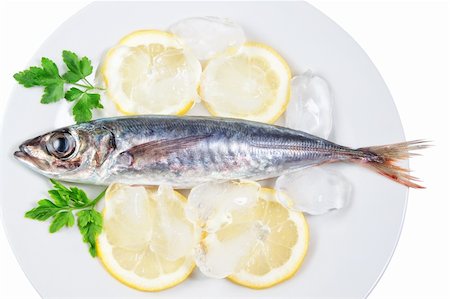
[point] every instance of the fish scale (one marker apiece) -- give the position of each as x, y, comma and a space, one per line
267, 149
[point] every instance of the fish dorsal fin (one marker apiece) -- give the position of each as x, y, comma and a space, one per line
157, 149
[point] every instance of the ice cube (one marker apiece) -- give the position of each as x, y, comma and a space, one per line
219, 257
314, 190
208, 36
173, 236
210, 205
310, 107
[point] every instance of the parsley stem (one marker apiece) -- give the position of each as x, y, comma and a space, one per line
97, 199
88, 87
88, 83
82, 85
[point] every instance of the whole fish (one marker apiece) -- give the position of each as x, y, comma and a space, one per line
186, 151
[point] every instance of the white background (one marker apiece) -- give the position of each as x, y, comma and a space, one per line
409, 44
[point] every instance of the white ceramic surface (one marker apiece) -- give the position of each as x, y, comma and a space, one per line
349, 249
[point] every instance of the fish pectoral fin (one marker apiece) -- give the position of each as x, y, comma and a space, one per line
156, 149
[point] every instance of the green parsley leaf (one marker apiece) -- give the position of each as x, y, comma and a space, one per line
60, 220
82, 110
46, 203
58, 186
50, 68
86, 67
71, 77
90, 224
73, 94
31, 77
70, 220
47, 76
71, 60
59, 198
53, 93
79, 197
78, 69
42, 213
65, 202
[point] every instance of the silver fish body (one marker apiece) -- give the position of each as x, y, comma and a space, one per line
180, 151
187, 151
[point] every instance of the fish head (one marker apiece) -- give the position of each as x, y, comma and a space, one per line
73, 153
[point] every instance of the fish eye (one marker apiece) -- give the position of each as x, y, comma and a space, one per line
61, 145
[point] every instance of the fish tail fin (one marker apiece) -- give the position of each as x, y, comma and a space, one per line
383, 159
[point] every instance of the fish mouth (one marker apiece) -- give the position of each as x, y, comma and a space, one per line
22, 154
25, 157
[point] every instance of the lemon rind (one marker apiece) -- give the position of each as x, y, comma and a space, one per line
113, 272
189, 267
237, 279
126, 40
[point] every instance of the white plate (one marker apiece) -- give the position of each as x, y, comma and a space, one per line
349, 249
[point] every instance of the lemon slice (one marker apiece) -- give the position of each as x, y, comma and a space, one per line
280, 246
251, 83
149, 72
146, 242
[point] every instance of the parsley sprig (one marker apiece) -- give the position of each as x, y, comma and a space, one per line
83, 93
65, 201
